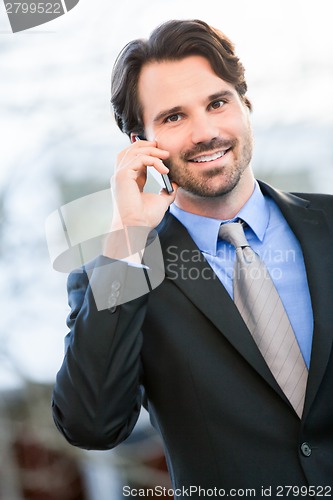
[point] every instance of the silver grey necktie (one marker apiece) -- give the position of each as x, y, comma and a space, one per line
261, 308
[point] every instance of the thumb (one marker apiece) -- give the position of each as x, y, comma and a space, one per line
169, 197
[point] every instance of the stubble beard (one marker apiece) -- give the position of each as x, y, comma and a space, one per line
217, 181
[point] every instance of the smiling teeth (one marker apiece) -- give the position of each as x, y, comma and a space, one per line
215, 156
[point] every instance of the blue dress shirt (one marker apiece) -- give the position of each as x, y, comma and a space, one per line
270, 236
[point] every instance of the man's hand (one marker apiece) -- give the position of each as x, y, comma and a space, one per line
132, 206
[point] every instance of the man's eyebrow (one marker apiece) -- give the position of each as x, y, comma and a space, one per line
223, 94
168, 112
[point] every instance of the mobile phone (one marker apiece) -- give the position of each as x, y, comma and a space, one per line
166, 183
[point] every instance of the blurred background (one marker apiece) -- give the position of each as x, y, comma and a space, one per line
58, 144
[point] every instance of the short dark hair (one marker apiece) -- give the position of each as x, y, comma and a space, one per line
171, 41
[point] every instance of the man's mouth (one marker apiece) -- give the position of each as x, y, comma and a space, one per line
211, 157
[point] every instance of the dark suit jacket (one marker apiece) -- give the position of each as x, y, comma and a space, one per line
224, 421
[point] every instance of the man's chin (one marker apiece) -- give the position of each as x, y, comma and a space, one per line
206, 192
210, 187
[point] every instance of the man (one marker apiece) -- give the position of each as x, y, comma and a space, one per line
184, 349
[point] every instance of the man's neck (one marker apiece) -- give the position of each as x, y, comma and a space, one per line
222, 207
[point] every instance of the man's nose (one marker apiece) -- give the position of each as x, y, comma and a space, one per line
203, 129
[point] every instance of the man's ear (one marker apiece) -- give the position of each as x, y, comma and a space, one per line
134, 136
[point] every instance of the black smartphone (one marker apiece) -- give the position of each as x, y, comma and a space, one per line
165, 178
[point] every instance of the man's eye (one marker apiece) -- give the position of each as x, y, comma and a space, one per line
217, 104
173, 118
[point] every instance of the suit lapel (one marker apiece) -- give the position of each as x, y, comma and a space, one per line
193, 275
313, 232
188, 269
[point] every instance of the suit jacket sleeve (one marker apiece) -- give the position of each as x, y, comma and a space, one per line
97, 394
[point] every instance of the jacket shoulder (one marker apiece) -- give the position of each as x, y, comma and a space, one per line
318, 201
319, 198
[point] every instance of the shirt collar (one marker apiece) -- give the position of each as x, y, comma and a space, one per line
204, 230
255, 212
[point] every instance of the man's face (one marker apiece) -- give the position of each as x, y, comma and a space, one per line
201, 120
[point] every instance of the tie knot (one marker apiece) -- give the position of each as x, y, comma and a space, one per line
233, 232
